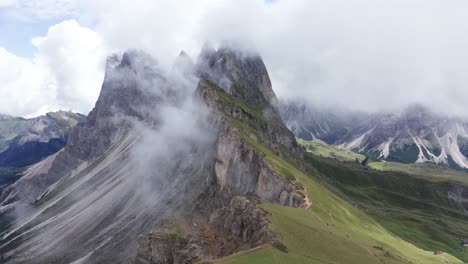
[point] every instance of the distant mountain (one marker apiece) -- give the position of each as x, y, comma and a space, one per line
416, 135
26, 141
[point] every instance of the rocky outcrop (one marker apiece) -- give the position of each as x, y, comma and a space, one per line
240, 73
242, 169
271, 130
241, 225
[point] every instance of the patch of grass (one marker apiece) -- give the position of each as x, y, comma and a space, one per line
320, 148
405, 153
67, 118
427, 171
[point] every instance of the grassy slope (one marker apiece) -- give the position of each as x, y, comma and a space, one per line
409, 200
320, 148
68, 118
426, 170
7, 130
330, 231
413, 208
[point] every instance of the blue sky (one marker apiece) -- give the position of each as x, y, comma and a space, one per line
16, 34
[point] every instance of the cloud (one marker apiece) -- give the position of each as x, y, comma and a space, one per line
366, 55
76, 57
362, 54
25, 88
66, 72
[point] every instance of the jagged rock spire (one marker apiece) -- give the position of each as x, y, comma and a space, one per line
241, 74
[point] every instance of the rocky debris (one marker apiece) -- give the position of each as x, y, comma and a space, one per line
241, 225
38, 178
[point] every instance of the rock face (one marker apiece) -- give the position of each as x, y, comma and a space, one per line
240, 74
241, 169
242, 225
147, 153
414, 135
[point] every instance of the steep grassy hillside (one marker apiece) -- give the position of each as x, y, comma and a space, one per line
416, 208
411, 200
332, 230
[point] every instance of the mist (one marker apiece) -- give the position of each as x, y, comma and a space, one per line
365, 55
158, 161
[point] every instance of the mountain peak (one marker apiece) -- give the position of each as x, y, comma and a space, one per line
239, 73
184, 64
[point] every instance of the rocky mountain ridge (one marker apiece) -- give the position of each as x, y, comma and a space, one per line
131, 166
416, 135
26, 141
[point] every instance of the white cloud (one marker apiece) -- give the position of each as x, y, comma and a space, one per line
25, 85
66, 72
364, 54
161, 27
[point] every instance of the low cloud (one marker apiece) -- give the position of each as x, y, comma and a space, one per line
362, 54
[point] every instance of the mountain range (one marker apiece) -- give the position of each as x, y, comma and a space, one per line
414, 135
24, 142
198, 165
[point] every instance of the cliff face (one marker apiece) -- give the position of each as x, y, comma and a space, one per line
148, 153
239, 226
